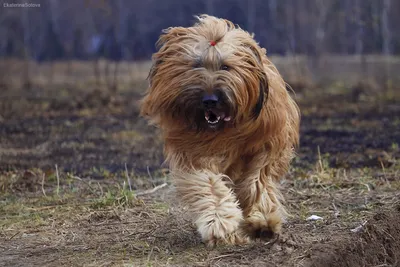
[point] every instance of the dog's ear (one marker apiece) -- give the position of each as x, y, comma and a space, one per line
263, 85
262, 97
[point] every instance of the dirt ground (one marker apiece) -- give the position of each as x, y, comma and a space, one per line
67, 199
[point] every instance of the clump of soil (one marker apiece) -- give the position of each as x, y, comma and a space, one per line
377, 245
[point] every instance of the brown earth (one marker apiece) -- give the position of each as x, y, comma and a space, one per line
377, 245
347, 172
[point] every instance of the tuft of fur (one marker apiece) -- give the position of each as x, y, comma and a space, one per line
227, 176
212, 201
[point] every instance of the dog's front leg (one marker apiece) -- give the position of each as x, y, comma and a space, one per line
260, 200
216, 209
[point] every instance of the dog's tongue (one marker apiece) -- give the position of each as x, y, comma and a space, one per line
227, 118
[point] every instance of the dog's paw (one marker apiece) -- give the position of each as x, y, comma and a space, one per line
221, 230
264, 226
216, 229
236, 238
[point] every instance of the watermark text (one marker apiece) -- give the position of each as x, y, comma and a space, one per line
25, 5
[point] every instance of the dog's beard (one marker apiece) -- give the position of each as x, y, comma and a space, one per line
189, 107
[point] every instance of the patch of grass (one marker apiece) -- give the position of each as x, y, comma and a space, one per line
121, 198
322, 171
162, 207
100, 173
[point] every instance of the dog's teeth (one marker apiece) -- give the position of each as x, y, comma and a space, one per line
213, 122
207, 117
227, 118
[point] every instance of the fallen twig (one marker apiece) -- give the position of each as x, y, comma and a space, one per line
151, 191
58, 181
221, 256
151, 177
359, 228
337, 213
44, 192
14, 235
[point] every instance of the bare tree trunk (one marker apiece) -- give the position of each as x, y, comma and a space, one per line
54, 14
94, 56
386, 40
343, 28
359, 48
386, 34
319, 38
290, 15
359, 44
27, 83
273, 6
323, 7
54, 10
122, 14
210, 7
251, 15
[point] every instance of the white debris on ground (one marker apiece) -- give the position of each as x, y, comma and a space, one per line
314, 218
358, 228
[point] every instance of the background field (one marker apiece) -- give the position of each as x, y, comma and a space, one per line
67, 199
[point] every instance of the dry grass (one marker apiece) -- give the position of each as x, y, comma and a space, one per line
300, 71
341, 70
78, 74
89, 222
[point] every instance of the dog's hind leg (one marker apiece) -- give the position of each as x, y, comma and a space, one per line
216, 209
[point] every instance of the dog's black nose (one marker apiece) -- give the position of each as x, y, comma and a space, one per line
210, 101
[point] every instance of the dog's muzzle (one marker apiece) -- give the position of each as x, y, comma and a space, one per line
212, 113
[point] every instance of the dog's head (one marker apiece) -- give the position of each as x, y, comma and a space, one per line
207, 77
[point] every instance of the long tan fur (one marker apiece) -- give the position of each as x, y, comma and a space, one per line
228, 178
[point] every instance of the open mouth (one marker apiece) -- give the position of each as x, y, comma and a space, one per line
213, 117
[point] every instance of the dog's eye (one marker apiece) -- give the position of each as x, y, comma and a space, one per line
225, 67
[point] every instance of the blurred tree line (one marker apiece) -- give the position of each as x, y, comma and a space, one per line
128, 29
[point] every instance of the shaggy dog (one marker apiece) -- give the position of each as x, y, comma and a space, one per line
229, 128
